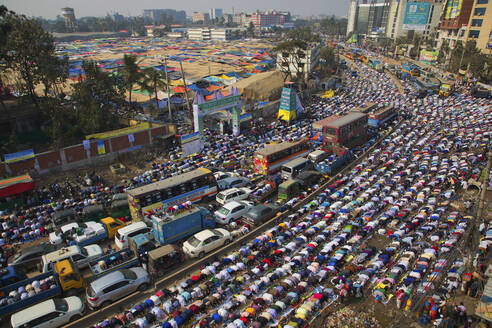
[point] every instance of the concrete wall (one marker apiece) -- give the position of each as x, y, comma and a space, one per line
77, 156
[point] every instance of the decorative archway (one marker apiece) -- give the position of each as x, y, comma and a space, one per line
202, 108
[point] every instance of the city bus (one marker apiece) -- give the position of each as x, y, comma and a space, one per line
269, 159
197, 185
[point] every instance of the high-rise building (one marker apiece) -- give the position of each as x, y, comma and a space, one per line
68, 15
454, 21
480, 25
352, 16
156, 15
215, 13
269, 18
200, 17
420, 16
368, 18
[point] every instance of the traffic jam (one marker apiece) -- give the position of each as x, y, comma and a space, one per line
286, 221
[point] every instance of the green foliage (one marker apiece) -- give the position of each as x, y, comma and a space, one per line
153, 81
292, 52
303, 34
130, 73
443, 52
27, 47
327, 54
334, 26
251, 29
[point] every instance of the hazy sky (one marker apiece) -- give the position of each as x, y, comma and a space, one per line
51, 8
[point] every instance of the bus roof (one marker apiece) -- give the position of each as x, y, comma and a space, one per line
295, 162
169, 182
271, 149
347, 119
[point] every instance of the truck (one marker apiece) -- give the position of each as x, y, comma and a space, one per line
292, 187
332, 164
173, 226
125, 258
10, 275
87, 233
264, 190
62, 279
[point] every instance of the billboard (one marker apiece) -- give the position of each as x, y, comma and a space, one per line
416, 16
428, 56
456, 10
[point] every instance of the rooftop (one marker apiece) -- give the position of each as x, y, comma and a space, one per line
347, 119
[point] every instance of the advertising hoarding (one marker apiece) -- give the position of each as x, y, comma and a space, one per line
428, 56
416, 15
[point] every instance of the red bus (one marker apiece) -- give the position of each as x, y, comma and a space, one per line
269, 159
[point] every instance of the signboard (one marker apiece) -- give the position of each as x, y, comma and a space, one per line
101, 148
19, 156
456, 9
428, 56
191, 143
245, 117
220, 103
119, 132
416, 16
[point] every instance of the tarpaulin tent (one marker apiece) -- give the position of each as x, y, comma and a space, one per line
16, 185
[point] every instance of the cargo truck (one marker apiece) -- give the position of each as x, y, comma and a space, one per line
125, 258
63, 279
87, 233
171, 227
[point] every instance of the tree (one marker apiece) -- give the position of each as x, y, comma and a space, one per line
292, 53
305, 34
156, 81
95, 96
27, 47
53, 71
443, 52
251, 29
5, 29
130, 72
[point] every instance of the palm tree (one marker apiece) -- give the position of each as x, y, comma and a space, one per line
130, 72
155, 80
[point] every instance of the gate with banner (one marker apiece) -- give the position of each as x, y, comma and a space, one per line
231, 102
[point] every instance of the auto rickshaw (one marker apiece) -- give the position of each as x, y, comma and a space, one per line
163, 259
141, 244
288, 189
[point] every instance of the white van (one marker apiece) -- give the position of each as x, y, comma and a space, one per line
81, 256
292, 169
52, 313
318, 156
122, 235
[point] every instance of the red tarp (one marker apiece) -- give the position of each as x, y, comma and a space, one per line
16, 185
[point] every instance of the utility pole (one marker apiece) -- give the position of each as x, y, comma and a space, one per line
461, 60
186, 93
168, 94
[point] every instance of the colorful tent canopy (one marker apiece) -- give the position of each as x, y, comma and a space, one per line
16, 185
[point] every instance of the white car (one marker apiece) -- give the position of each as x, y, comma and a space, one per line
90, 229
206, 241
229, 195
52, 313
222, 175
232, 211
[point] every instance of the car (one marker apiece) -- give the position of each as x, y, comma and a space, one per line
115, 285
205, 241
232, 211
219, 175
30, 258
232, 182
52, 313
229, 195
259, 214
